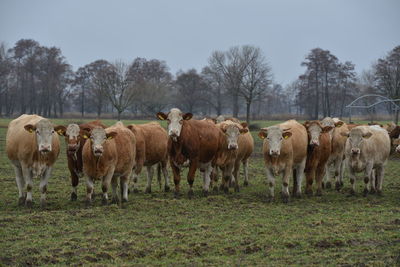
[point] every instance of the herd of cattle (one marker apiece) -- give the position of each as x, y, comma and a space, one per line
317, 149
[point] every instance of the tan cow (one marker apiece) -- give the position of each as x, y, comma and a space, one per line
367, 150
285, 152
32, 146
107, 155
237, 146
151, 149
336, 159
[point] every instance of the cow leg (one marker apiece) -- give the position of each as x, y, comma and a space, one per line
372, 181
74, 183
246, 172
149, 178
105, 184
367, 177
342, 169
285, 184
352, 181
123, 183
235, 175
19, 178
206, 178
190, 177
226, 177
43, 185
327, 184
320, 172
310, 176
114, 185
166, 175
27, 173
89, 190
135, 181
380, 173
299, 177
176, 172
271, 184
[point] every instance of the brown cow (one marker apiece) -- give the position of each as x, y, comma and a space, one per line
237, 146
73, 134
336, 159
32, 146
318, 153
195, 140
285, 152
151, 149
108, 154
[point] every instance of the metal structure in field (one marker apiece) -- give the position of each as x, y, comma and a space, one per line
369, 107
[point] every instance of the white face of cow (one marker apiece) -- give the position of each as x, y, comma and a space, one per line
72, 134
355, 140
44, 134
274, 136
232, 132
97, 137
175, 120
314, 130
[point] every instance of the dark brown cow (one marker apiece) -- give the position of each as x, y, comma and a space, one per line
73, 134
318, 153
195, 140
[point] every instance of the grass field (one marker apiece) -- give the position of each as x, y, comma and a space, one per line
234, 229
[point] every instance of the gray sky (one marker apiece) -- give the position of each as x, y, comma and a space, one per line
184, 33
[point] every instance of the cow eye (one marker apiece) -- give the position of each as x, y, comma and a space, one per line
52, 131
181, 121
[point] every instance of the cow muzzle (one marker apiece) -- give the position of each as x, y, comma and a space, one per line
232, 146
72, 149
98, 151
398, 149
355, 151
45, 148
314, 143
274, 152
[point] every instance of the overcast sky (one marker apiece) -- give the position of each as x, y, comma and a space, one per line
184, 32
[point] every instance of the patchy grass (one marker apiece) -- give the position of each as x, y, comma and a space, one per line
234, 229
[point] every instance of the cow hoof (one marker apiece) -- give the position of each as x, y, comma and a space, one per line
309, 192
177, 194
190, 193
269, 199
28, 204
205, 193
318, 193
114, 200
237, 189
245, 183
226, 190
352, 192
297, 195
372, 191
124, 200
104, 202
338, 186
285, 198
21, 201
215, 189
365, 192
88, 203
43, 203
148, 190
328, 185
166, 188
74, 196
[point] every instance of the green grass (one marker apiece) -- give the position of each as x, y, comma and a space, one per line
234, 229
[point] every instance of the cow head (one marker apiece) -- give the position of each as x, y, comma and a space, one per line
97, 138
72, 136
232, 131
274, 136
44, 131
175, 119
314, 130
355, 139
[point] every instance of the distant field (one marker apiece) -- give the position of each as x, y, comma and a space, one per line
234, 229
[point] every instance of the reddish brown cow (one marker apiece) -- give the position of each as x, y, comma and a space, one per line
151, 149
73, 134
195, 140
318, 153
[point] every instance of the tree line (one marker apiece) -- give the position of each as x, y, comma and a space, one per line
239, 81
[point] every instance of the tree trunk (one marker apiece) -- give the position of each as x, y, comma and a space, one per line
248, 104
235, 110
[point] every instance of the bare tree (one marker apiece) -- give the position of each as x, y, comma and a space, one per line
114, 83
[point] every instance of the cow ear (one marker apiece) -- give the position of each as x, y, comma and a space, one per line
61, 130
286, 135
367, 135
306, 124
85, 134
162, 116
345, 134
130, 127
30, 128
214, 120
262, 134
327, 129
243, 131
111, 135
187, 116
244, 124
339, 124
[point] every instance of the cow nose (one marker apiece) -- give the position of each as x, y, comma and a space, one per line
72, 147
232, 146
314, 143
45, 148
398, 149
274, 152
173, 133
355, 151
